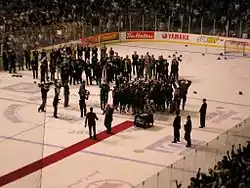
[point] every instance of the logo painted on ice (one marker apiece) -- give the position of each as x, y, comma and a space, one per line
221, 115
109, 184
23, 87
11, 113
83, 180
165, 145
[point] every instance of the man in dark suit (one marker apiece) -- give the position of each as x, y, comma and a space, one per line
108, 118
90, 120
188, 129
177, 127
203, 111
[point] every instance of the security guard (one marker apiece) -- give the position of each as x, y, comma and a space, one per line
108, 118
188, 129
177, 127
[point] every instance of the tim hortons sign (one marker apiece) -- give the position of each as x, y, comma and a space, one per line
140, 35
175, 36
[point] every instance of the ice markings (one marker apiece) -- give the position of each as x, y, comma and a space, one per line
11, 113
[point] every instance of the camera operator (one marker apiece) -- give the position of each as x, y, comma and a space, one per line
44, 92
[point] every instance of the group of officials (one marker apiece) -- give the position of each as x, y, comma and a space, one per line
188, 124
142, 83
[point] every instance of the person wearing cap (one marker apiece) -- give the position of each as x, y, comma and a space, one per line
203, 111
90, 121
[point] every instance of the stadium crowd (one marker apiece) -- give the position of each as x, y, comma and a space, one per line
25, 22
38, 22
233, 171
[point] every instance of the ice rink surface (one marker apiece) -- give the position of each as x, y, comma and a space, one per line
133, 155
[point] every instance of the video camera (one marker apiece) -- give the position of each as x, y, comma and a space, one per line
45, 85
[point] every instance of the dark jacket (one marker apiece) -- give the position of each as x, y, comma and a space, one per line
177, 122
188, 127
203, 109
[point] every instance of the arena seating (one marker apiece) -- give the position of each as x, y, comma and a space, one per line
232, 171
38, 21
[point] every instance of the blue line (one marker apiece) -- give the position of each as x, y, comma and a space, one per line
89, 152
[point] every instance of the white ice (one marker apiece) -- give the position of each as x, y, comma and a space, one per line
126, 158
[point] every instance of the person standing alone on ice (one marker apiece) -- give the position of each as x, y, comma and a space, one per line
90, 120
203, 111
188, 129
177, 127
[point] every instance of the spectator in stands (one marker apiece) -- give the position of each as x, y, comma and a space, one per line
233, 171
23, 22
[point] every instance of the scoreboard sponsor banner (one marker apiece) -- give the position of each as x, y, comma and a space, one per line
109, 36
209, 39
140, 35
89, 40
176, 36
94, 39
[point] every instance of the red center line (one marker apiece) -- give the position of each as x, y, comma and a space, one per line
60, 155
